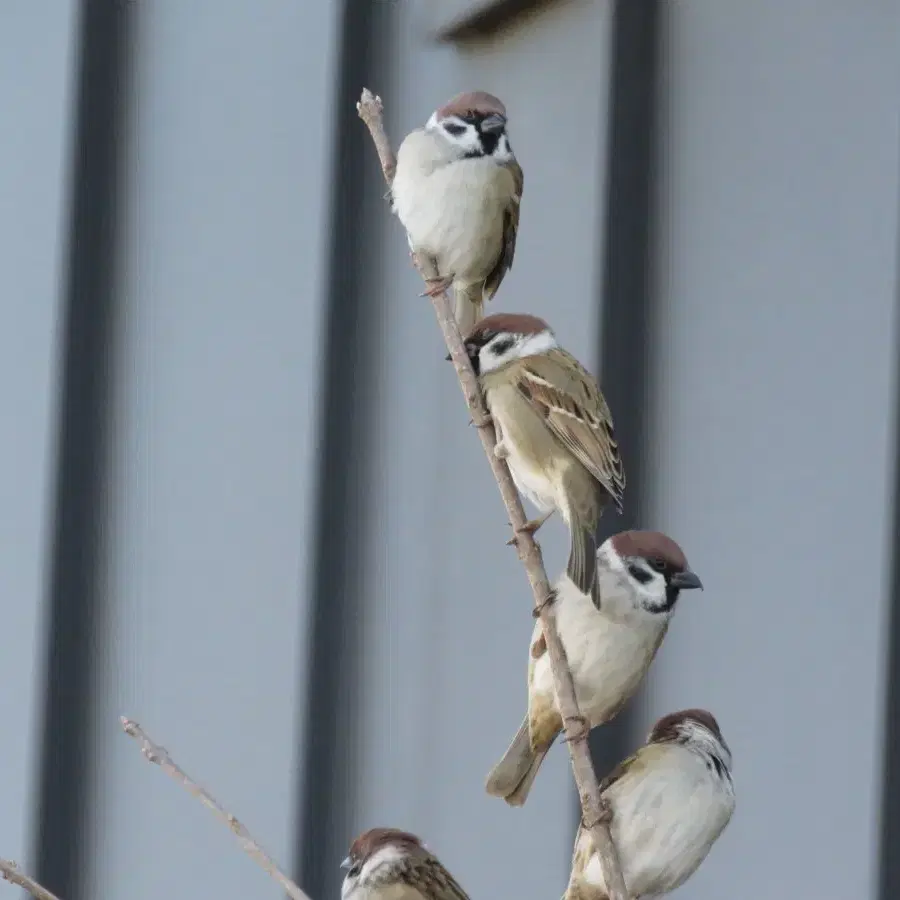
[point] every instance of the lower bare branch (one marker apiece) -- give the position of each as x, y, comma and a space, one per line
11, 873
595, 811
160, 756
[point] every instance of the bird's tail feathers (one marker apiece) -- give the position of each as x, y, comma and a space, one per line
582, 564
469, 302
512, 777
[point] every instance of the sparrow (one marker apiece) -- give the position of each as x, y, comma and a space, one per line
669, 803
457, 189
553, 428
387, 864
640, 575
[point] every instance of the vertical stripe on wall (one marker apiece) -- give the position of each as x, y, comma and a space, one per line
889, 859
74, 606
627, 289
349, 357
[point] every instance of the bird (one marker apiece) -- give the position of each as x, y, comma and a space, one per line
457, 189
670, 801
609, 648
553, 427
389, 864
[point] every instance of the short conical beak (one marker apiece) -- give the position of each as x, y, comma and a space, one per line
685, 581
493, 124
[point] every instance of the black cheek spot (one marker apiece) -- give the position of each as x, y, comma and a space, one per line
489, 141
502, 346
455, 130
671, 597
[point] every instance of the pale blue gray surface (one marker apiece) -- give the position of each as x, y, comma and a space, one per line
259, 279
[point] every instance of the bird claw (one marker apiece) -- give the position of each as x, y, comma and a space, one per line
530, 527
584, 730
547, 601
605, 816
436, 286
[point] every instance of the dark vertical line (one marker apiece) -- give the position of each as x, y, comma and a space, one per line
889, 860
337, 594
628, 301
74, 604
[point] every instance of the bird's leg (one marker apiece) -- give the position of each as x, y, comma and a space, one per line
437, 285
605, 816
583, 730
530, 527
550, 598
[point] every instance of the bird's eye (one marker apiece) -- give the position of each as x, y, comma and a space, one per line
657, 563
639, 573
454, 129
501, 347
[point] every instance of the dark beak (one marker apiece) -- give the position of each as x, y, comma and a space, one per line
493, 124
449, 358
347, 863
685, 581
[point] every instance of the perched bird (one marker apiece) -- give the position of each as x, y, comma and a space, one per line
553, 428
609, 648
457, 190
387, 864
669, 803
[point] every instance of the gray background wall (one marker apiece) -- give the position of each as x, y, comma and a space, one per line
242, 505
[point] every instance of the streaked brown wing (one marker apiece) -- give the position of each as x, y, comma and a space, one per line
565, 394
438, 882
510, 231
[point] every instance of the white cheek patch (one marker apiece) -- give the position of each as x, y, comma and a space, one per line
385, 855
531, 345
537, 343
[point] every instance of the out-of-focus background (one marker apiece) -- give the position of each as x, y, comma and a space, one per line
240, 502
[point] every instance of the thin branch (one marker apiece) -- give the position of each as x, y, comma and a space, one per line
11, 873
160, 756
596, 814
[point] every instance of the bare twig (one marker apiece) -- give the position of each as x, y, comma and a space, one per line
11, 873
160, 756
595, 811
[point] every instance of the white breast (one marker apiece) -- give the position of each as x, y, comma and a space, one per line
452, 211
665, 820
608, 656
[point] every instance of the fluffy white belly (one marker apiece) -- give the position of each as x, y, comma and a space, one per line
602, 653
665, 823
456, 215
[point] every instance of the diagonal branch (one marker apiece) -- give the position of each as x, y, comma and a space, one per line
594, 810
160, 756
11, 873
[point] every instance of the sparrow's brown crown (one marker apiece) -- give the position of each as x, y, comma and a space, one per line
371, 841
509, 323
666, 729
649, 545
472, 103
